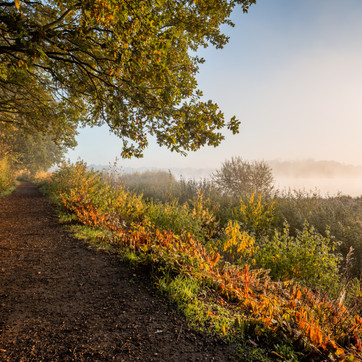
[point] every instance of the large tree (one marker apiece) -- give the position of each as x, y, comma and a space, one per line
130, 64
30, 152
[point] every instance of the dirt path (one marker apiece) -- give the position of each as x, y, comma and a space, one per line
61, 301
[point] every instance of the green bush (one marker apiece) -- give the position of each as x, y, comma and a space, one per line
308, 257
181, 219
342, 215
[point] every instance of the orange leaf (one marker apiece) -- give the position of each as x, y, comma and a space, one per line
358, 346
216, 259
331, 345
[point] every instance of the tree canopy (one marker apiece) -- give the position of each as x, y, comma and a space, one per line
28, 106
128, 64
29, 152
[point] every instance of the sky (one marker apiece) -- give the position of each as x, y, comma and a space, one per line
291, 73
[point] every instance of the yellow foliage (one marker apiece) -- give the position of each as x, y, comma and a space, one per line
255, 215
43, 176
239, 245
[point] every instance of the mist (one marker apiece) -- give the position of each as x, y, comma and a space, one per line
327, 178
324, 186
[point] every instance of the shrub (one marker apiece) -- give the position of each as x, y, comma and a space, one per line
242, 178
255, 216
237, 246
194, 219
200, 278
308, 257
156, 185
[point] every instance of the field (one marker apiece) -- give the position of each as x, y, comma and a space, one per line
262, 270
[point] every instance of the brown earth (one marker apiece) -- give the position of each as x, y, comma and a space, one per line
61, 300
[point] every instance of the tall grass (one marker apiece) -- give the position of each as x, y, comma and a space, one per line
192, 257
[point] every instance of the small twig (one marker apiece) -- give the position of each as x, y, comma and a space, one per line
179, 334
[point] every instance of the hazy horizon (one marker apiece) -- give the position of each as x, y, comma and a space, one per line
326, 177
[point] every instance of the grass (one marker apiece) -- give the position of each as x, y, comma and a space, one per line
202, 312
268, 318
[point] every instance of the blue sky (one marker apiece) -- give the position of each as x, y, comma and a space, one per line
291, 73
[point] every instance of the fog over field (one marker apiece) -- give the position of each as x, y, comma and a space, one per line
331, 186
326, 177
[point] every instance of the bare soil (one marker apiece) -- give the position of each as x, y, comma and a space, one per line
61, 300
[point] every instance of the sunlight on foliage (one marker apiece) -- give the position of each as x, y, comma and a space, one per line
238, 246
256, 216
308, 257
7, 178
206, 286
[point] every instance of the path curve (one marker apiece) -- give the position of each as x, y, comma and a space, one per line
63, 301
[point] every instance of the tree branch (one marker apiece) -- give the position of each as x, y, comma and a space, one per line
55, 22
